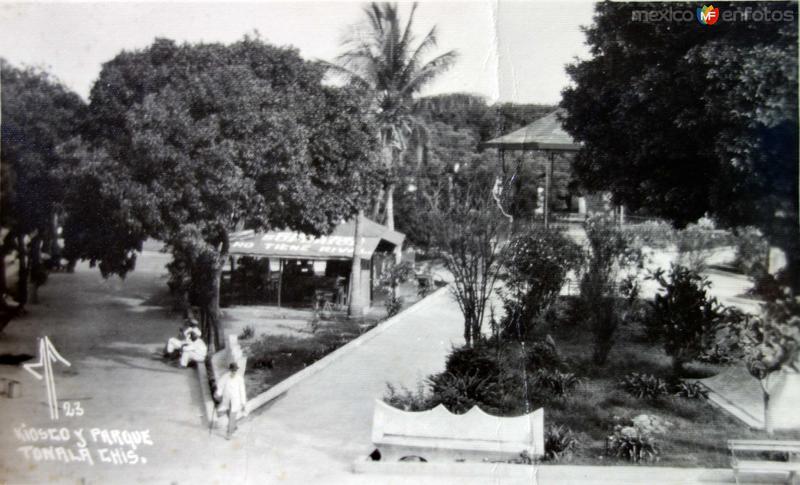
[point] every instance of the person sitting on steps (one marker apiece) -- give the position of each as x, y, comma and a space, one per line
174, 345
194, 351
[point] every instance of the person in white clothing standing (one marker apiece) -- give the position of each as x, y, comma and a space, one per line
231, 394
195, 351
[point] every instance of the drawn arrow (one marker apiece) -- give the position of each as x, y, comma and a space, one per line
47, 356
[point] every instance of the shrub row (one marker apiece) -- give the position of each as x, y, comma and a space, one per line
648, 386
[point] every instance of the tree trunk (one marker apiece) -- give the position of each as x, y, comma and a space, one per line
22, 282
468, 332
211, 312
3, 288
769, 426
677, 366
36, 269
390, 206
376, 207
52, 244
356, 301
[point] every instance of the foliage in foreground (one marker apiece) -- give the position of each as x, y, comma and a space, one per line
644, 386
555, 382
635, 440
608, 286
560, 443
771, 342
536, 265
684, 316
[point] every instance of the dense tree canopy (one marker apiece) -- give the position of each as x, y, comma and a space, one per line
38, 113
684, 119
187, 143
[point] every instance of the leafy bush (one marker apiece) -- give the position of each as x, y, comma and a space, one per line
406, 399
560, 443
459, 393
653, 234
247, 333
767, 287
717, 355
480, 361
751, 251
394, 305
612, 251
393, 275
690, 390
644, 386
542, 355
632, 443
556, 382
683, 316
536, 265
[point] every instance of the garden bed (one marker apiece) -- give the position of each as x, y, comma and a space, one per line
274, 356
591, 406
280, 342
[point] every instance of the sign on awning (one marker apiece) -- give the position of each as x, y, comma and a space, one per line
295, 245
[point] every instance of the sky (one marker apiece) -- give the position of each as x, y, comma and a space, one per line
511, 51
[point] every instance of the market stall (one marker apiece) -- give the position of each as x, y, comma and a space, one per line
296, 269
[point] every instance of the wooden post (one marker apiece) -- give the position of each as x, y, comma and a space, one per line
356, 303
548, 173
280, 280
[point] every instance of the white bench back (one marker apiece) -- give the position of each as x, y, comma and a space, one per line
474, 430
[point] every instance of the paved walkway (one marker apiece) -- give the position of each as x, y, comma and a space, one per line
331, 412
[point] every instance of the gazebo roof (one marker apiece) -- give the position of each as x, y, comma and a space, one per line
546, 133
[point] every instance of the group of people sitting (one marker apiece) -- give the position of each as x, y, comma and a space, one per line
188, 346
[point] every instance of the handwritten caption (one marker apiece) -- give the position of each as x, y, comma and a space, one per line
85, 445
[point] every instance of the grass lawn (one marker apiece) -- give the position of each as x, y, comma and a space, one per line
273, 358
699, 432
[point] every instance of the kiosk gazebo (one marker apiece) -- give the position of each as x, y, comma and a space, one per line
305, 269
543, 135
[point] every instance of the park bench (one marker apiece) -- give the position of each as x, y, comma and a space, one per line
438, 434
754, 463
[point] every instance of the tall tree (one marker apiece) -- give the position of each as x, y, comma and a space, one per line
382, 59
188, 143
38, 113
684, 119
466, 233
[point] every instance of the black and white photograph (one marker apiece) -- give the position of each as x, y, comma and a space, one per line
459, 242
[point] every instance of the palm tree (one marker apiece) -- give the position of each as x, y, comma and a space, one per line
381, 59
